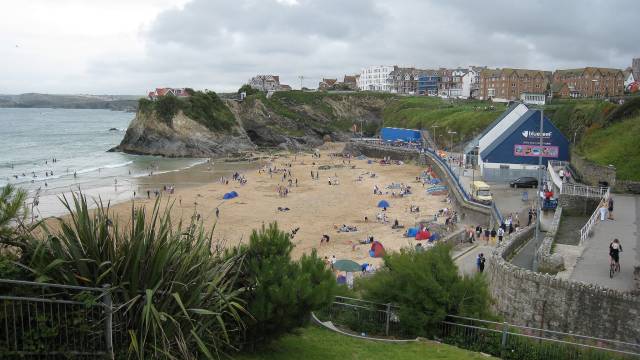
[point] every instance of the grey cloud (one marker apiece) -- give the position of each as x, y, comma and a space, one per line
220, 44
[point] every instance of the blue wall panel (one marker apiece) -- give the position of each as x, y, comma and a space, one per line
393, 134
521, 146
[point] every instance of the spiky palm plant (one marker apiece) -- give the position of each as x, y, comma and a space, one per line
177, 299
13, 213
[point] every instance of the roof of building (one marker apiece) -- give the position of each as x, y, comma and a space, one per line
505, 134
589, 70
517, 72
557, 86
329, 82
350, 78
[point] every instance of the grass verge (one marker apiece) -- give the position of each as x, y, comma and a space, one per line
314, 343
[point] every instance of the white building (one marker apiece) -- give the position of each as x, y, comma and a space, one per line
470, 80
375, 78
533, 98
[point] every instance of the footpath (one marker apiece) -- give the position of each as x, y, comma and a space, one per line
593, 265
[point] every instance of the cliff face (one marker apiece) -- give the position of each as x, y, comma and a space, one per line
292, 120
147, 134
305, 120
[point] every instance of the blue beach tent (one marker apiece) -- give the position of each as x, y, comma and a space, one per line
383, 204
412, 232
230, 195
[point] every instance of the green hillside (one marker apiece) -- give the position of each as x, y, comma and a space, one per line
467, 118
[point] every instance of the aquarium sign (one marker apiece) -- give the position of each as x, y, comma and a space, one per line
535, 150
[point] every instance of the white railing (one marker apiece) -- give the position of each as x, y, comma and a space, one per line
583, 190
554, 176
586, 229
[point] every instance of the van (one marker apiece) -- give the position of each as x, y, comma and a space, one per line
481, 192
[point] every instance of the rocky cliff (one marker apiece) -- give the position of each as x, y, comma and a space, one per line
293, 120
185, 137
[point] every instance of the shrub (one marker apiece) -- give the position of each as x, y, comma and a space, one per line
280, 293
427, 287
247, 89
167, 107
209, 110
177, 297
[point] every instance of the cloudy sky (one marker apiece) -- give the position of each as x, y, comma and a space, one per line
130, 46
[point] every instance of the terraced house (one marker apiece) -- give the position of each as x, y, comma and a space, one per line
590, 82
509, 84
405, 80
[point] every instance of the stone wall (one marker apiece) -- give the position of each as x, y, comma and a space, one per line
544, 301
578, 205
548, 262
591, 173
627, 186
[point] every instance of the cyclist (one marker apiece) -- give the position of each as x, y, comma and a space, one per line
614, 253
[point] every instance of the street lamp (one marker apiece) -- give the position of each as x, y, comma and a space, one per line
435, 139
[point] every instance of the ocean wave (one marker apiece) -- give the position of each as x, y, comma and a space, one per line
199, 162
109, 166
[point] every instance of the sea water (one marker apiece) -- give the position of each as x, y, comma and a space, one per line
78, 140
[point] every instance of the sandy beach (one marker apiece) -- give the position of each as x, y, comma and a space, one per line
315, 207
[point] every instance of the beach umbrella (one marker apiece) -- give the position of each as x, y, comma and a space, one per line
347, 265
383, 204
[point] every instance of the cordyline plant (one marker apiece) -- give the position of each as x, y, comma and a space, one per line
175, 297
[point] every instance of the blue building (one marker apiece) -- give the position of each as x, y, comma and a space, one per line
395, 134
511, 148
428, 85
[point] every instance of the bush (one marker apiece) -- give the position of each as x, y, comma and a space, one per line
247, 89
178, 297
167, 107
280, 293
426, 286
209, 110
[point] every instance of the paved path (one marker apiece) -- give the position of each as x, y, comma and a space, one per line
466, 261
593, 265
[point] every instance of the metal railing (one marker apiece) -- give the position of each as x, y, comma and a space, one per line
510, 341
502, 339
554, 175
585, 231
48, 320
583, 190
363, 317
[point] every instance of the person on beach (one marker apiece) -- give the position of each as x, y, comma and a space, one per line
217, 213
487, 233
478, 232
493, 235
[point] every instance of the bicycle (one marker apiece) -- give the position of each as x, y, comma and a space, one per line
613, 268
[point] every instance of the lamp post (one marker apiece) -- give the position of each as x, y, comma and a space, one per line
451, 133
538, 202
435, 139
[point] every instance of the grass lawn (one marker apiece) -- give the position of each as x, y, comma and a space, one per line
314, 343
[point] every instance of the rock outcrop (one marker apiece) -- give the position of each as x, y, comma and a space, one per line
293, 121
184, 138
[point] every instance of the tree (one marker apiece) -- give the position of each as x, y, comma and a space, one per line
427, 287
247, 89
280, 293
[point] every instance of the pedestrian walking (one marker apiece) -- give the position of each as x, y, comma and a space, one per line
500, 235
480, 262
610, 208
603, 212
217, 213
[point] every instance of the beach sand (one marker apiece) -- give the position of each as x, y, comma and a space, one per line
315, 206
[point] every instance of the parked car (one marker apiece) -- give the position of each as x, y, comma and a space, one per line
525, 181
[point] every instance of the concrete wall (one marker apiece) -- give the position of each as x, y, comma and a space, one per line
541, 300
506, 175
